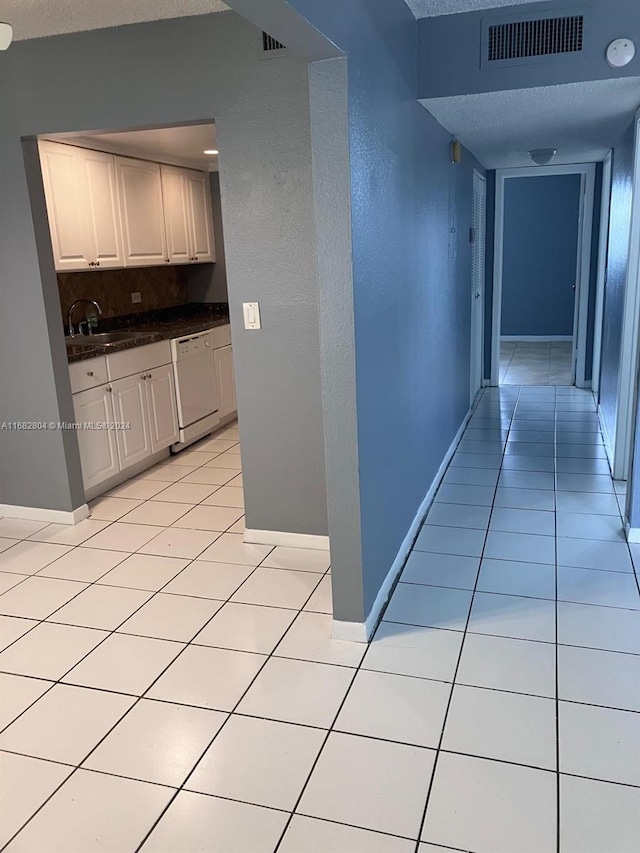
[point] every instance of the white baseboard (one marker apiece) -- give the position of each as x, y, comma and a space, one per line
536, 338
289, 540
360, 632
633, 534
608, 445
53, 516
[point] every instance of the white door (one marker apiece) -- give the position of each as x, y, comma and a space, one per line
477, 281
98, 451
223, 358
163, 412
66, 205
176, 215
103, 213
200, 213
140, 188
130, 407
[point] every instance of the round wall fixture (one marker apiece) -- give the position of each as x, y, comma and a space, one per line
620, 53
6, 35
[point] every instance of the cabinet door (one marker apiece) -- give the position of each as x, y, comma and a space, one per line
176, 215
163, 412
130, 406
223, 358
200, 216
102, 213
98, 451
65, 193
140, 189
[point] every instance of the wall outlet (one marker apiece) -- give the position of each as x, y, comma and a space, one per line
136, 297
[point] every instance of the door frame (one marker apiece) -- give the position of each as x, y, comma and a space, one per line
478, 176
603, 250
583, 261
628, 371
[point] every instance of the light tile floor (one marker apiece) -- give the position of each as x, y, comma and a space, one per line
533, 363
167, 688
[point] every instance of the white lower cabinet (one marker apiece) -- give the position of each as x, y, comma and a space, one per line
223, 359
144, 400
98, 450
130, 406
163, 415
136, 388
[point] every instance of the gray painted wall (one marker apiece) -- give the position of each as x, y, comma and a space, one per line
411, 300
541, 220
450, 49
618, 255
208, 283
73, 83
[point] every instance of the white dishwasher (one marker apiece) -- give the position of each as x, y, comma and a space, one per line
196, 387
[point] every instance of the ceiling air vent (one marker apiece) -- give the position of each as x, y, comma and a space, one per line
269, 44
530, 39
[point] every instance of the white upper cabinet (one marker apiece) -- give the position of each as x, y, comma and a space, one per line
176, 215
107, 211
103, 213
82, 205
200, 214
187, 215
140, 189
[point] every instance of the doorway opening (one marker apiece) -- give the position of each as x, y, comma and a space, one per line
478, 236
542, 271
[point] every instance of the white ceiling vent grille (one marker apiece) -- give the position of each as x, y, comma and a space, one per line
532, 39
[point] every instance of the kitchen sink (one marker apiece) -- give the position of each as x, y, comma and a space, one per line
102, 339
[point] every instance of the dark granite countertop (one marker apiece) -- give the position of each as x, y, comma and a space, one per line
152, 326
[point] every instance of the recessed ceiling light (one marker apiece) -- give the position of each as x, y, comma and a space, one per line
6, 36
211, 151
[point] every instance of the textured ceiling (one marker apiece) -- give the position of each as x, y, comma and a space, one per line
37, 18
582, 120
430, 8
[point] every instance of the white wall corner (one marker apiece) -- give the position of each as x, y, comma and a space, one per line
289, 540
53, 516
361, 632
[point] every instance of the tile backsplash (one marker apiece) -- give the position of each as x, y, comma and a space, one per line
160, 287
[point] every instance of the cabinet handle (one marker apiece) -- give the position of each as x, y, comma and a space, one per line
109, 389
97, 263
167, 260
91, 264
89, 372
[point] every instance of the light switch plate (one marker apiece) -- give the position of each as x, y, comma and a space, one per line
251, 312
136, 297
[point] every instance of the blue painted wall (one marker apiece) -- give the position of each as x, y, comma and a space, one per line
450, 49
541, 220
618, 256
412, 308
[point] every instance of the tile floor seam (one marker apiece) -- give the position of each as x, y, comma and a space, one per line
229, 716
460, 652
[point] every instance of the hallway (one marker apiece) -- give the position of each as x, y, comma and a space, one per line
535, 363
508, 661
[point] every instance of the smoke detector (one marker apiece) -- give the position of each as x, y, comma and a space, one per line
543, 156
6, 35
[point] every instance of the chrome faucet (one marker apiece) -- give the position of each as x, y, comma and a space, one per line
72, 334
